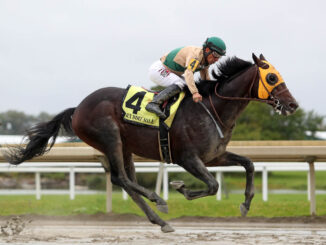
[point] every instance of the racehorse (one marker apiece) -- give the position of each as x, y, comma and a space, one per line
195, 142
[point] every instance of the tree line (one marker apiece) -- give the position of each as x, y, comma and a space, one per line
17, 122
257, 122
261, 122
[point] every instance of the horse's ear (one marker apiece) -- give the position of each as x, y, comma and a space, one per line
255, 58
262, 57
259, 63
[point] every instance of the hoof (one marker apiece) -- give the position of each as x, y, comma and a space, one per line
177, 184
167, 228
243, 210
163, 208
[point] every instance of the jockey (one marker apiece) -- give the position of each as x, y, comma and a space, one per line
176, 69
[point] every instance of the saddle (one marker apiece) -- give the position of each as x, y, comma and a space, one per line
134, 112
135, 101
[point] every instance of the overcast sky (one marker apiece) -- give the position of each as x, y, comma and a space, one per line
54, 53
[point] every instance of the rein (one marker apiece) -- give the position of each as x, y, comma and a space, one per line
272, 101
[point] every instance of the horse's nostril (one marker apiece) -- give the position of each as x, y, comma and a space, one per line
293, 105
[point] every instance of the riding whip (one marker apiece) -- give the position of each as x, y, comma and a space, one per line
211, 116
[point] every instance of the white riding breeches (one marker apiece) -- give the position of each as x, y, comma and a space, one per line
163, 77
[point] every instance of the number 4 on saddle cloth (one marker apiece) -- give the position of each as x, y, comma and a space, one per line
135, 101
134, 112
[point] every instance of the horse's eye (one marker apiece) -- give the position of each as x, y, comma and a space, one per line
271, 78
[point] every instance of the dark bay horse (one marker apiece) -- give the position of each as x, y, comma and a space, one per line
195, 142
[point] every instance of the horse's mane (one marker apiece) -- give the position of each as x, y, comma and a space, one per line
227, 70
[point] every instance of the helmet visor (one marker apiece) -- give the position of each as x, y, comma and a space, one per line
218, 50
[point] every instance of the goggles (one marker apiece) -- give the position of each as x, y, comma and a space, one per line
216, 55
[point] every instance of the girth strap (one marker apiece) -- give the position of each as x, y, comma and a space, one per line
164, 143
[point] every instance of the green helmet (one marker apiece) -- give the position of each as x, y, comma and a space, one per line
215, 44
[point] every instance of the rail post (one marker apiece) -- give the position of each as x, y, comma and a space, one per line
165, 183
72, 183
308, 185
312, 185
105, 163
38, 185
159, 179
219, 180
265, 184
108, 192
124, 194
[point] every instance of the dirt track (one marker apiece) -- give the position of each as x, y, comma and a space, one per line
130, 229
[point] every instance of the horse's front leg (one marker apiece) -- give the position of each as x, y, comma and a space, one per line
197, 168
150, 195
231, 159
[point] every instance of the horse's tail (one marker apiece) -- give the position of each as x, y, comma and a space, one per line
38, 137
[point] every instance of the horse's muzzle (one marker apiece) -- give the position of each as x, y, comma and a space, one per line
287, 109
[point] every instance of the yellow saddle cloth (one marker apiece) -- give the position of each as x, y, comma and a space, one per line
135, 101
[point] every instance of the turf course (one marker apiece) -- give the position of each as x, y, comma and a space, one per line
277, 205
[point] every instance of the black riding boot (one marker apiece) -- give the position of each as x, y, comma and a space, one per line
164, 95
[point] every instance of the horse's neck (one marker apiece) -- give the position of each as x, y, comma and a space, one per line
238, 87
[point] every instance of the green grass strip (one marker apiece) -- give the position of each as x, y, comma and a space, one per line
278, 205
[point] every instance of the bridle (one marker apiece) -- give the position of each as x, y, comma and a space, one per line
271, 100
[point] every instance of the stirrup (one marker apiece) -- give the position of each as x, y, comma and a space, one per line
154, 108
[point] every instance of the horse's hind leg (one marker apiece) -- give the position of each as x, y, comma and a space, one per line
107, 134
151, 215
150, 195
196, 167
